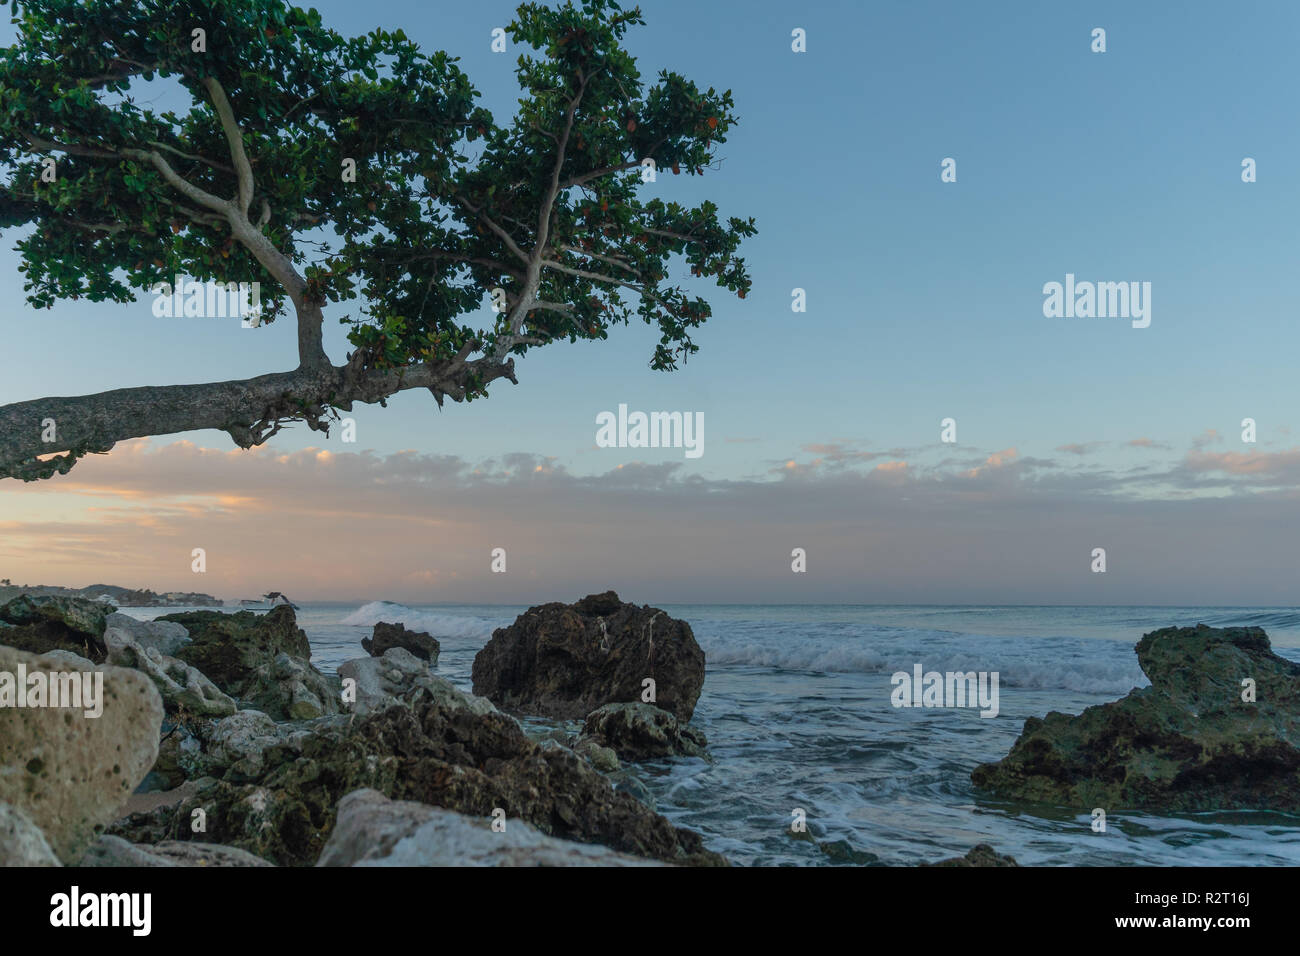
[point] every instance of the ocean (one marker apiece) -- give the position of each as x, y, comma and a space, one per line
797, 708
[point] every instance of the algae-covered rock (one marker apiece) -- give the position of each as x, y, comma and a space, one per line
1219, 728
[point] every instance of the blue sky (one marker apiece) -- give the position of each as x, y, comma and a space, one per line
924, 298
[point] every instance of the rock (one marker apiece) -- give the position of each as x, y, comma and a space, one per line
166, 637
979, 855
565, 660
386, 636
843, 853
114, 851
178, 753
291, 689
68, 772
182, 687
642, 732
399, 677
373, 830
46, 623
438, 752
1187, 743
602, 758
229, 648
21, 842
634, 787
261, 660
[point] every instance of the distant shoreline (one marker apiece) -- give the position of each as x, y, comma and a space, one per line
112, 594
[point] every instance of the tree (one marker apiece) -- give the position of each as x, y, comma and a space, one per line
548, 211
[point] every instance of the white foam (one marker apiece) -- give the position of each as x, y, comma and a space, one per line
440, 625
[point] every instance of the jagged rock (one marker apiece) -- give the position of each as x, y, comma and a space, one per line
439, 752
565, 660
166, 637
386, 636
291, 689
21, 842
68, 772
642, 732
1187, 743
261, 660
114, 851
229, 648
44, 623
602, 758
373, 830
979, 855
399, 677
182, 687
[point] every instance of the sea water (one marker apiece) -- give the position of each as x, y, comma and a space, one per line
796, 706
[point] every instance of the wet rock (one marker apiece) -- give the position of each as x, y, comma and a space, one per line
68, 772
182, 687
21, 842
114, 851
387, 636
373, 830
47, 623
979, 855
602, 758
843, 853
566, 660
441, 753
1187, 743
642, 732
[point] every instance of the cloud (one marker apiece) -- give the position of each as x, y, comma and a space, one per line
985, 526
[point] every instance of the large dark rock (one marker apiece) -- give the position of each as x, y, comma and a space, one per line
566, 660
442, 753
42, 624
1189, 742
388, 636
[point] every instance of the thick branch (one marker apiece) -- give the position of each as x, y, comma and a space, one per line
249, 410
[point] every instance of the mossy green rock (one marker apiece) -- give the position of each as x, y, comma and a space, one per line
1187, 743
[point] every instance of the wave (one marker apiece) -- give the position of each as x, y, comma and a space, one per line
1084, 667
440, 625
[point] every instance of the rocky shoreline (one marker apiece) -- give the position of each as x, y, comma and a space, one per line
241, 752
221, 744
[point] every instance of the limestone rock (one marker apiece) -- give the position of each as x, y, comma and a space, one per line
68, 772
21, 842
373, 830
181, 686
114, 851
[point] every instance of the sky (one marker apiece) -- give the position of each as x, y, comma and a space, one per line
822, 429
